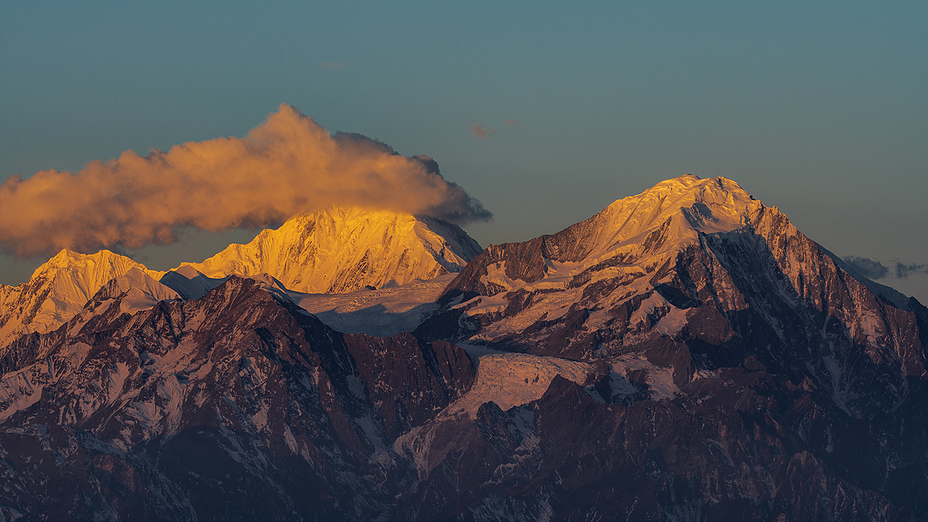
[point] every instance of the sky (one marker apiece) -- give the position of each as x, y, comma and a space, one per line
544, 112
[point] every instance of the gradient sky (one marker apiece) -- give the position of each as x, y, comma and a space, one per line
544, 112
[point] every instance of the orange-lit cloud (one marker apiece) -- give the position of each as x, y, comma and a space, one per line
511, 121
285, 166
333, 65
481, 132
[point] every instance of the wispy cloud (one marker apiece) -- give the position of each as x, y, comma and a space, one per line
873, 269
482, 132
869, 268
287, 165
511, 122
903, 271
333, 65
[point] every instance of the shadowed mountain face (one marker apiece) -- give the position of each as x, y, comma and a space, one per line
232, 406
686, 354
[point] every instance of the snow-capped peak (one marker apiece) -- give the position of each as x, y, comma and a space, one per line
59, 288
637, 232
339, 250
726, 200
679, 208
84, 274
345, 249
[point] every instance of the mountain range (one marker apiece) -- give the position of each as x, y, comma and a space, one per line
332, 251
685, 354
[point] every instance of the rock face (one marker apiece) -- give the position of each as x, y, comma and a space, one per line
236, 406
686, 354
686, 256
341, 250
715, 308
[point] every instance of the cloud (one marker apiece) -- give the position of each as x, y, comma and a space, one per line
333, 65
869, 268
287, 165
873, 269
903, 271
511, 121
481, 132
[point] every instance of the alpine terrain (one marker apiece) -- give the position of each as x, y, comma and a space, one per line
334, 251
59, 288
345, 249
685, 354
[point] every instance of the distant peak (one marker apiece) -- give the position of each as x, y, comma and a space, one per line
63, 257
680, 207
341, 249
686, 178
69, 258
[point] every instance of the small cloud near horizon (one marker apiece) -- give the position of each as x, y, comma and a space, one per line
338, 66
873, 269
482, 132
511, 122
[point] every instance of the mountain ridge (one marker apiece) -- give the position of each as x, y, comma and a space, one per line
638, 273
59, 288
674, 210
341, 250
416, 248
685, 354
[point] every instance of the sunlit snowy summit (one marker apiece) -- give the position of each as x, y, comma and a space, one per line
347, 249
59, 289
333, 251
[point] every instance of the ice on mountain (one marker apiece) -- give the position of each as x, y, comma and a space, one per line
659, 379
514, 379
382, 312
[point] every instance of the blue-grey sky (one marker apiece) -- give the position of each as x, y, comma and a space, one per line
818, 108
